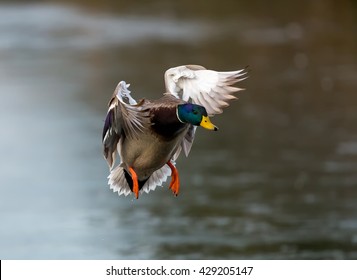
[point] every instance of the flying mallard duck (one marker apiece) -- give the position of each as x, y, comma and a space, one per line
149, 135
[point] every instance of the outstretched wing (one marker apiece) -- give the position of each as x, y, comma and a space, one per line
122, 119
210, 89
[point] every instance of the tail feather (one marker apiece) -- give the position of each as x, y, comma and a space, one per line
119, 183
157, 178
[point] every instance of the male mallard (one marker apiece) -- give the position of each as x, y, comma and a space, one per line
150, 134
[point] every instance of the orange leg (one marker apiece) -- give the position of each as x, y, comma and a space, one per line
135, 182
175, 180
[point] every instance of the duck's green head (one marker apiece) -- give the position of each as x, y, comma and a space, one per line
194, 114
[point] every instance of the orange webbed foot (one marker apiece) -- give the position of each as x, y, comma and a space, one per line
175, 180
135, 182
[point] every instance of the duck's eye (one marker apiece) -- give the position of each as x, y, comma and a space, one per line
195, 112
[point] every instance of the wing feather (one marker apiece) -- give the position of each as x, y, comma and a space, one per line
208, 88
122, 119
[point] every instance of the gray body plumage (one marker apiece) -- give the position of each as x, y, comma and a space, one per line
146, 135
152, 149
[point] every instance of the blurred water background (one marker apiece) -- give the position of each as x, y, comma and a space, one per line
278, 181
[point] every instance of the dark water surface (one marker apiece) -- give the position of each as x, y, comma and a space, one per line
277, 181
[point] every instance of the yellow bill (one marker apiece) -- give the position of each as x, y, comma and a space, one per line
206, 123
